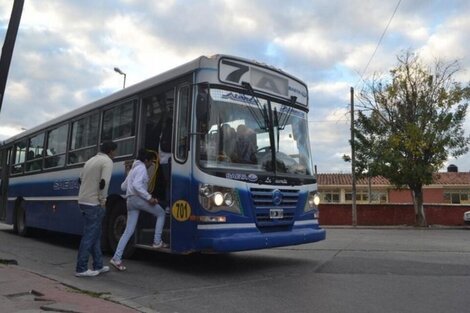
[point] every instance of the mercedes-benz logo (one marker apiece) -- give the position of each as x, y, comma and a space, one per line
277, 197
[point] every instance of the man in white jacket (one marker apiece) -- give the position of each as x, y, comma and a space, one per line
138, 198
94, 184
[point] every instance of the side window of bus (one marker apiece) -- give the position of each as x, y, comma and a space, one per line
56, 146
35, 153
119, 126
182, 128
84, 139
19, 156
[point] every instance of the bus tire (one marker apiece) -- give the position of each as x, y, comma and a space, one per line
19, 226
116, 224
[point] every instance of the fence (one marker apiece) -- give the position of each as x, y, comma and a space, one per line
391, 214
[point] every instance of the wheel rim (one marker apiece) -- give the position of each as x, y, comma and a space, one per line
119, 226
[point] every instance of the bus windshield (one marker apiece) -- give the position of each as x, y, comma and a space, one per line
239, 132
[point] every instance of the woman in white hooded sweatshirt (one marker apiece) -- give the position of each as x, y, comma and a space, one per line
138, 198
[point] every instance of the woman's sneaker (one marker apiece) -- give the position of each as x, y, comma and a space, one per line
87, 273
118, 265
159, 245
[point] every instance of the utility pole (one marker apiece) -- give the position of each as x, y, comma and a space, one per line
353, 163
8, 45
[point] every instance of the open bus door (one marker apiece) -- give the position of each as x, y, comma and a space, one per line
182, 226
3, 183
165, 128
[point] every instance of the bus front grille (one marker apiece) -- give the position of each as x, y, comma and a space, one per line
267, 200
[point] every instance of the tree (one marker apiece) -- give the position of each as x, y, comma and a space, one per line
411, 123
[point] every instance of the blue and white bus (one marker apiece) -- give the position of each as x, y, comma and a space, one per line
241, 173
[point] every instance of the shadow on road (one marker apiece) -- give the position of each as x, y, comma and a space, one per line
202, 264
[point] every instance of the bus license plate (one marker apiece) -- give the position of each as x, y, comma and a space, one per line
276, 213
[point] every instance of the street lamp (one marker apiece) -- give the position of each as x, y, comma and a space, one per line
117, 70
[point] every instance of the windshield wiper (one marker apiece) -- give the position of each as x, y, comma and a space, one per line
287, 114
280, 125
276, 125
262, 109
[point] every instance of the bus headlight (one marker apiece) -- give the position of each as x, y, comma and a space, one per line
228, 199
313, 200
216, 198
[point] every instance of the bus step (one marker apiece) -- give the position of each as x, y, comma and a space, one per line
146, 236
149, 247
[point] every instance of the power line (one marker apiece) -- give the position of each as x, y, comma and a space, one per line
379, 42
329, 121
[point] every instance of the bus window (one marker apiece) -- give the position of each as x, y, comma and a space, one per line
84, 139
119, 126
56, 146
19, 155
34, 154
158, 120
182, 142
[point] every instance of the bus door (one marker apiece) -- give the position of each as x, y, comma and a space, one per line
157, 121
182, 225
3, 182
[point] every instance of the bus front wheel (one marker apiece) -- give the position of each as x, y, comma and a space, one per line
117, 220
20, 220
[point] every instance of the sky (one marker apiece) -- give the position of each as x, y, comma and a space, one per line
66, 51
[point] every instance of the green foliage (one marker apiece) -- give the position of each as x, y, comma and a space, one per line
411, 122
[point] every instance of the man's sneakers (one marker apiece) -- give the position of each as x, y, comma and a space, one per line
104, 269
87, 273
91, 273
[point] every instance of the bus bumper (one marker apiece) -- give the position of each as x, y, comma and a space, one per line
253, 240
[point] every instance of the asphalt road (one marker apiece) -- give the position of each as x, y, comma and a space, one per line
354, 270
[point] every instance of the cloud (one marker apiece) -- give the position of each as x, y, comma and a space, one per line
66, 50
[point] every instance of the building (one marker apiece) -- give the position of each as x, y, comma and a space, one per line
449, 187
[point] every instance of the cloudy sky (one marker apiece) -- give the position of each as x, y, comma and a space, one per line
66, 51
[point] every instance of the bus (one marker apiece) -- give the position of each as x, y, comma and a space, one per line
237, 148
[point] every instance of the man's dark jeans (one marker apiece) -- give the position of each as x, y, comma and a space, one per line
91, 239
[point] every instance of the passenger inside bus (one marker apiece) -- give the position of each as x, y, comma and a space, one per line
227, 144
246, 145
164, 149
158, 130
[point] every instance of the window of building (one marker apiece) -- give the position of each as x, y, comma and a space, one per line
330, 196
456, 196
379, 197
119, 126
84, 139
35, 153
56, 147
362, 196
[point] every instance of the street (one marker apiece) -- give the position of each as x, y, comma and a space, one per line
353, 270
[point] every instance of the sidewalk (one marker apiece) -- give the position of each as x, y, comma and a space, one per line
28, 292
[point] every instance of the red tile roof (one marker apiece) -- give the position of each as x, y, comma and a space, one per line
452, 178
445, 178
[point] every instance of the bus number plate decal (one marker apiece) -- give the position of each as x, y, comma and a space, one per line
276, 213
181, 210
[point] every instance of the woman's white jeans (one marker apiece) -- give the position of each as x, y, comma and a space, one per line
134, 205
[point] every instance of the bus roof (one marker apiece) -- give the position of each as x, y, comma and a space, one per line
200, 62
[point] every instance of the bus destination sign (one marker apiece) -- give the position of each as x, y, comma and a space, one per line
262, 79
